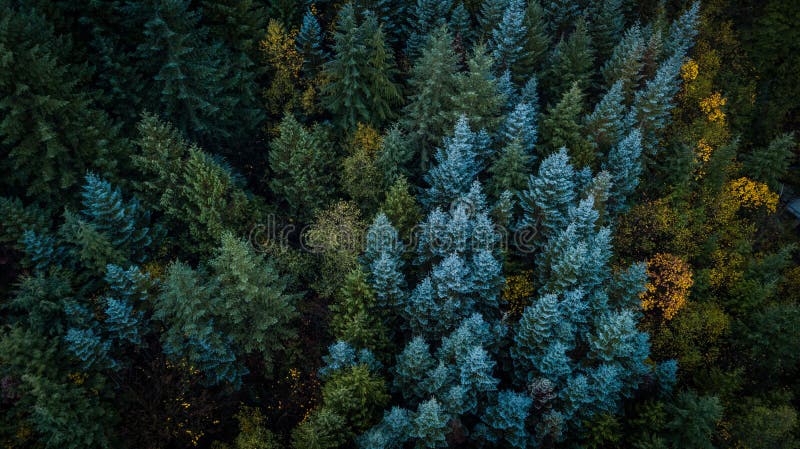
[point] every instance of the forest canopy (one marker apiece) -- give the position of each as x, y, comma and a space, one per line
389, 224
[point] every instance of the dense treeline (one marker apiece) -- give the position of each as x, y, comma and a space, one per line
392, 224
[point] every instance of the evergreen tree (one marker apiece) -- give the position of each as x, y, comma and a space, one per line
430, 425
572, 61
356, 319
605, 124
309, 44
434, 84
607, 26
359, 86
505, 421
770, 165
682, 31
510, 171
535, 43
626, 61
122, 322
427, 16
561, 128
125, 224
394, 155
561, 13
300, 160
479, 96
491, 14
624, 165
521, 125
456, 168
193, 84
549, 194
52, 131
89, 348
652, 105
412, 365
508, 37
401, 207
461, 23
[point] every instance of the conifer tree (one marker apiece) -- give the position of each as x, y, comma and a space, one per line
626, 61
426, 17
521, 125
456, 168
52, 131
394, 155
401, 207
572, 60
652, 105
607, 26
122, 322
770, 164
505, 421
508, 37
461, 23
479, 96
682, 31
309, 44
624, 165
359, 86
491, 14
430, 425
561, 128
434, 83
561, 13
536, 42
356, 319
511, 169
300, 160
549, 194
605, 124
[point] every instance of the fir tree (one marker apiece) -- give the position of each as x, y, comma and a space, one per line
412, 365
52, 131
426, 17
122, 322
430, 425
624, 165
510, 171
461, 23
430, 111
605, 124
561, 128
770, 164
626, 61
300, 160
505, 421
521, 125
491, 14
572, 60
356, 319
607, 27
508, 37
682, 32
561, 13
536, 42
549, 194
401, 207
89, 348
652, 105
479, 96
309, 44
456, 168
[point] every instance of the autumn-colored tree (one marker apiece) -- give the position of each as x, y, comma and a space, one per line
670, 279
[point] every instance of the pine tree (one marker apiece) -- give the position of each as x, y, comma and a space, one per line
430, 425
682, 32
508, 37
256, 308
426, 17
300, 160
479, 96
434, 83
511, 170
561, 128
124, 223
456, 167
605, 124
572, 61
607, 27
561, 13
356, 319
491, 14
770, 165
505, 421
521, 125
626, 61
549, 194
359, 86
309, 44
652, 105
625, 166
52, 131
192, 77
535, 44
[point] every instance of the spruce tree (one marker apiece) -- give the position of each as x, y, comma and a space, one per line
300, 160
456, 168
770, 164
605, 124
682, 31
434, 84
479, 96
520, 125
505, 422
572, 60
536, 42
549, 194
561, 13
491, 14
508, 36
561, 128
309, 44
652, 105
52, 130
427, 16
511, 170
625, 166
626, 61
607, 26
